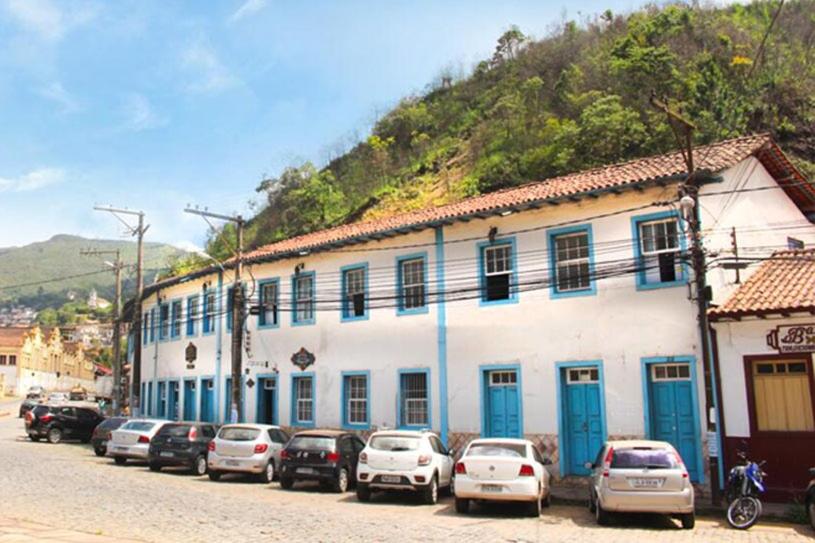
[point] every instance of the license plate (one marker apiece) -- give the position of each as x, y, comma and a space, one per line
120, 449
491, 488
166, 453
233, 463
647, 483
393, 479
306, 471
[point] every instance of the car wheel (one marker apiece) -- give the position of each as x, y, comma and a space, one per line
286, 482
120, 460
341, 482
547, 500
688, 521
199, 465
214, 475
592, 504
462, 506
430, 493
534, 508
600, 514
267, 475
154, 467
363, 492
54, 435
100, 451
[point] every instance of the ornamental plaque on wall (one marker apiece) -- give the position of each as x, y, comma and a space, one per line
302, 359
191, 354
797, 338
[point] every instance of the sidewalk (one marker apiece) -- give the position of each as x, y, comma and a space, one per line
14, 531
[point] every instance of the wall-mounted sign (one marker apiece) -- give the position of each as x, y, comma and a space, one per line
190, 355
795, 338
302, 359
258, 363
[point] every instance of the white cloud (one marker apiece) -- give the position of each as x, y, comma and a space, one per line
33, 180
61, 97
209, 73
250, 7
45, 19
139, 114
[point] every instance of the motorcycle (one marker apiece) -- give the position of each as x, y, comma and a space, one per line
744, 485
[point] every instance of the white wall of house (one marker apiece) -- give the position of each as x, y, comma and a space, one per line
619, 325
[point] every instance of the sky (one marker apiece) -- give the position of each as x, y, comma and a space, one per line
154, 105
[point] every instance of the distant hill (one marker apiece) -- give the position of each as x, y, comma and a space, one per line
43, 274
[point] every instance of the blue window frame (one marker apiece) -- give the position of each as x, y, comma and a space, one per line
269, 301
303, 287
411, 284
659, 245
356, 400
230, 303
413, 409
145, 323
175, 319
209, 311
303, 400
354, 292
152, 324
571, 262
163, 321
192, 315
497, 271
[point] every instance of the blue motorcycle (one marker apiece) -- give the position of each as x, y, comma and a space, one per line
744, 486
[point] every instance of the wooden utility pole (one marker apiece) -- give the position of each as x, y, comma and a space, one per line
689, 202
117, 267
138, 231
237, 310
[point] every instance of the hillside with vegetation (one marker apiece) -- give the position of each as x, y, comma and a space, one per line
52, 273
577, 98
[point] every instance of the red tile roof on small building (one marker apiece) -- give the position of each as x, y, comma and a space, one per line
12, 336
783, 284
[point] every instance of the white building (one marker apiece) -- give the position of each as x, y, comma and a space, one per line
558, 310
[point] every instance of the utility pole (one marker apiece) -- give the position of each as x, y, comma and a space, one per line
138, 231
689, 202
237, 308
117, 265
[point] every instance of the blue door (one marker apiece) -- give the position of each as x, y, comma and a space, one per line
267, 401
207, 400
583, 417
172, 400
503, 404
673, 414
189, 400
162, 400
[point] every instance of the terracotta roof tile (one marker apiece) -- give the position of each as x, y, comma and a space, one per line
12, 336
785, 283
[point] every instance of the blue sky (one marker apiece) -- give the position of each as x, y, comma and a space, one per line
156, 104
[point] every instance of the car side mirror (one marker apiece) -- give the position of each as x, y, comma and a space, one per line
588, 465
547, 461
451, 452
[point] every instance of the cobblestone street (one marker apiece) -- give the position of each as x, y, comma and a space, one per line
67, 487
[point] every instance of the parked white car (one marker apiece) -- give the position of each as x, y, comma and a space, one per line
246, 448
404, 460
501, 469
58, 397
131, 441
640, 477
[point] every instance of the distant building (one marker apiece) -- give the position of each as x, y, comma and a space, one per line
95, 302
90, 334
18, 315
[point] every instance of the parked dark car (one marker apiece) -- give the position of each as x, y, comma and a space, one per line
810, 498
181, 444
27, 405
56, 423
327, 456
101, 434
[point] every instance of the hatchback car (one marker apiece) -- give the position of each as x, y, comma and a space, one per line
327, 456
502, 470
132, 440
405, 460
59, 422
640, 477
246, 448
181, 444
101, 434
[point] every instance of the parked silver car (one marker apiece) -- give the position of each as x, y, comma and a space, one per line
132, 440
246, 448
640, 477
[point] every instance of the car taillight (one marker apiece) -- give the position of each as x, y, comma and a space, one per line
424, 459
29, 417
526, 471
461, 468
284, 455
48, 417
363, 458
211, 446
681, 464
607, 461
333, 457
144, 439
193, 433
261, 448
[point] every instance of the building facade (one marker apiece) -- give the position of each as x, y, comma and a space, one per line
559, 310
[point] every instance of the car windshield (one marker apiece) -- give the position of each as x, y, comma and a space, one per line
312, 443
513, 450
175, 430
139, 426
239, 434
109, 424
394, 443
643, 458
